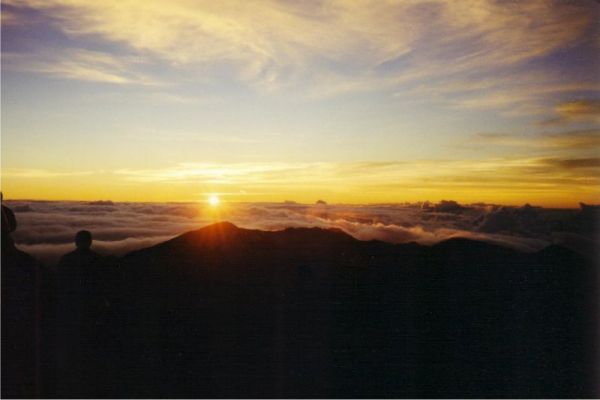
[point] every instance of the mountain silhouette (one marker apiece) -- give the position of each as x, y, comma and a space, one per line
307, 312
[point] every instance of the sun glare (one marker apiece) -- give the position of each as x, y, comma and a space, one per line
213, 200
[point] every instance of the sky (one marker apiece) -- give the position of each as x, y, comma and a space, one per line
348, 101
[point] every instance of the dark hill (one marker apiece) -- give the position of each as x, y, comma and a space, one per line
226, 237
229, 312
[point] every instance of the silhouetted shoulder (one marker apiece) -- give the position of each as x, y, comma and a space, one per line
79, 258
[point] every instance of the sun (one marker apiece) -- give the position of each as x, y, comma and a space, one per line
213, 200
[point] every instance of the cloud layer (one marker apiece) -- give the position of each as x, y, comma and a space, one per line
47, 229
475, 51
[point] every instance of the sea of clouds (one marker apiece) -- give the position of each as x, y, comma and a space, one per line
46, 229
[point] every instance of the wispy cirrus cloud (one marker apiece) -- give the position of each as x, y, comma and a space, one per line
324, 48
336, 171
41, 173
78, 64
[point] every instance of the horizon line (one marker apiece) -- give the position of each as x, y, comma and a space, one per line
293, 202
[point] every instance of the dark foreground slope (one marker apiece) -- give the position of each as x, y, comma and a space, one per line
228, 312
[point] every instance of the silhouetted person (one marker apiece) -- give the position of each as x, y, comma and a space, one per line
21, 316
77, 272
78, 310
9, 225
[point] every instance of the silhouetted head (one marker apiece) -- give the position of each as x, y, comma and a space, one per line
83, 240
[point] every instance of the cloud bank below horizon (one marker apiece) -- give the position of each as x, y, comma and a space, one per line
46, 228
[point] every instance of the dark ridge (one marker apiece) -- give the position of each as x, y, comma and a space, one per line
223, 226
226, 312
459, 243
224, 236
220, 232
316, 229
314, 233
557, 251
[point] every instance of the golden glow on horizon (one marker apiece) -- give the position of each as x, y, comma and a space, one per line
542, 181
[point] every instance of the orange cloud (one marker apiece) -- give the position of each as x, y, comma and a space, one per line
579, 140
584, 110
